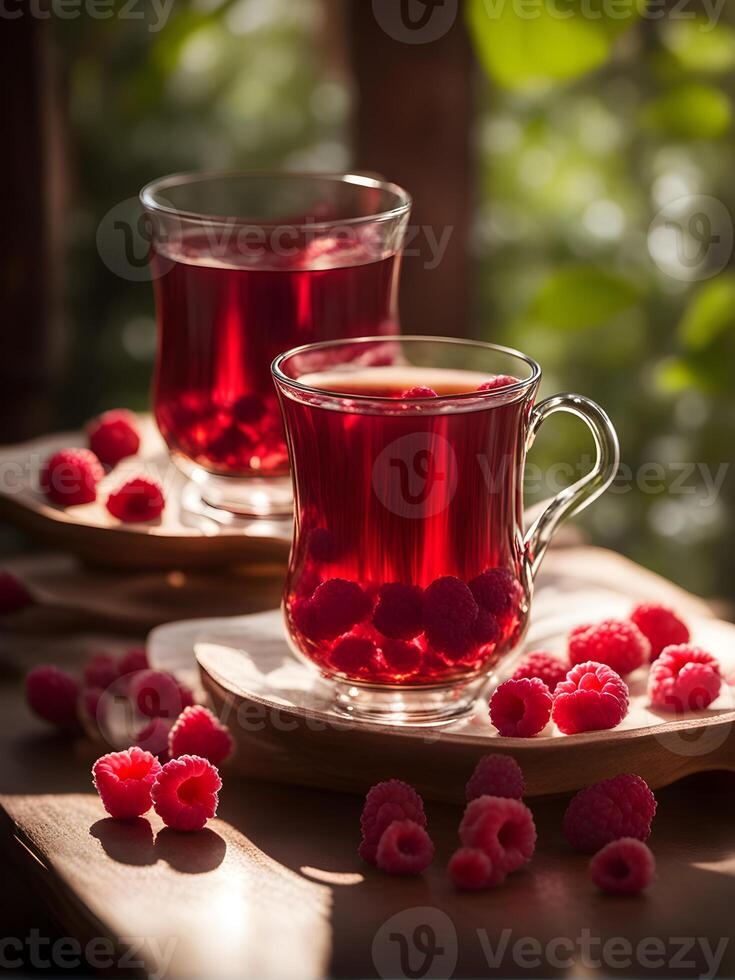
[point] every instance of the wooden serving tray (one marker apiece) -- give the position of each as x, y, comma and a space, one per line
180, 539
282, 716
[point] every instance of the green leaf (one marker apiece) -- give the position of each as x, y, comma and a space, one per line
699, 46
530, 43
581, 297
690, 111
710, 314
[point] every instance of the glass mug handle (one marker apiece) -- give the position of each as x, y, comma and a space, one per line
579, 495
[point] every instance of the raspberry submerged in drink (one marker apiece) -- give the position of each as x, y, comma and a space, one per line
225, 311
417, 498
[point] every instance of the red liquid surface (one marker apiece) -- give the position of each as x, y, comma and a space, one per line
221, 322
403, 493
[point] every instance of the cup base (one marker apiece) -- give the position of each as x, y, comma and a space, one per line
416, 707
227, 498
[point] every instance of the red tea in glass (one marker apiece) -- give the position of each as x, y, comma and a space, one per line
306, 259
410, 577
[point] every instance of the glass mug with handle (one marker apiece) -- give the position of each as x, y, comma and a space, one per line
246, 265
411, 575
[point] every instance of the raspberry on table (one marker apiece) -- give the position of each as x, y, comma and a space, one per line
159, 695
401, 656
623, 806
336, 606
133, 661
471, 870
591, 698
137, 501
124, 781
497, 590
496, 775
499, 381
398, 614
197, 732
419, 391
153, 737
660, 625
352, 654
52, 694
14, 596
186, 792
70, 477
521, 708
385, 802
545, 666
684, 678
114, 436
501, 827
623, 867
101, 670
404, 848
617, 643
449, 615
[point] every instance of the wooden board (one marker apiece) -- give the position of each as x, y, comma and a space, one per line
287, 730
181, 539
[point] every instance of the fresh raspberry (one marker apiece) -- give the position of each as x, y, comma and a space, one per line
497, 590
401, 656
499, 381
336, 606
322, 545
385, 802
661, 627
471, 870
496, 775
114, 436
133, 661
591, 698
197, 732
623, 867
486, 628
52, 694
546, 667
404, 848
617, 643
419, 391
101, 671
684, 678
136, 501
70, 477
14, 596
449, 615
623, 806
521, 708
159, 695
153, 737
399, 610
502, 828
185, 794
352, 654
124, 781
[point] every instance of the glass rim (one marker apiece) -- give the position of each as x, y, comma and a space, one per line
520, 386
148, 197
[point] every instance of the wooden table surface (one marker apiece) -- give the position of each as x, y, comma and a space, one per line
274, 888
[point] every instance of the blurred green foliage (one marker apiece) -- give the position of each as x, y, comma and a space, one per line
589, 128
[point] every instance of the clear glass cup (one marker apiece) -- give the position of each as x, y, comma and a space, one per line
411, 573
247, 265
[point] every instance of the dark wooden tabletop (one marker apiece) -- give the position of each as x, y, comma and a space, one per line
274, 887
